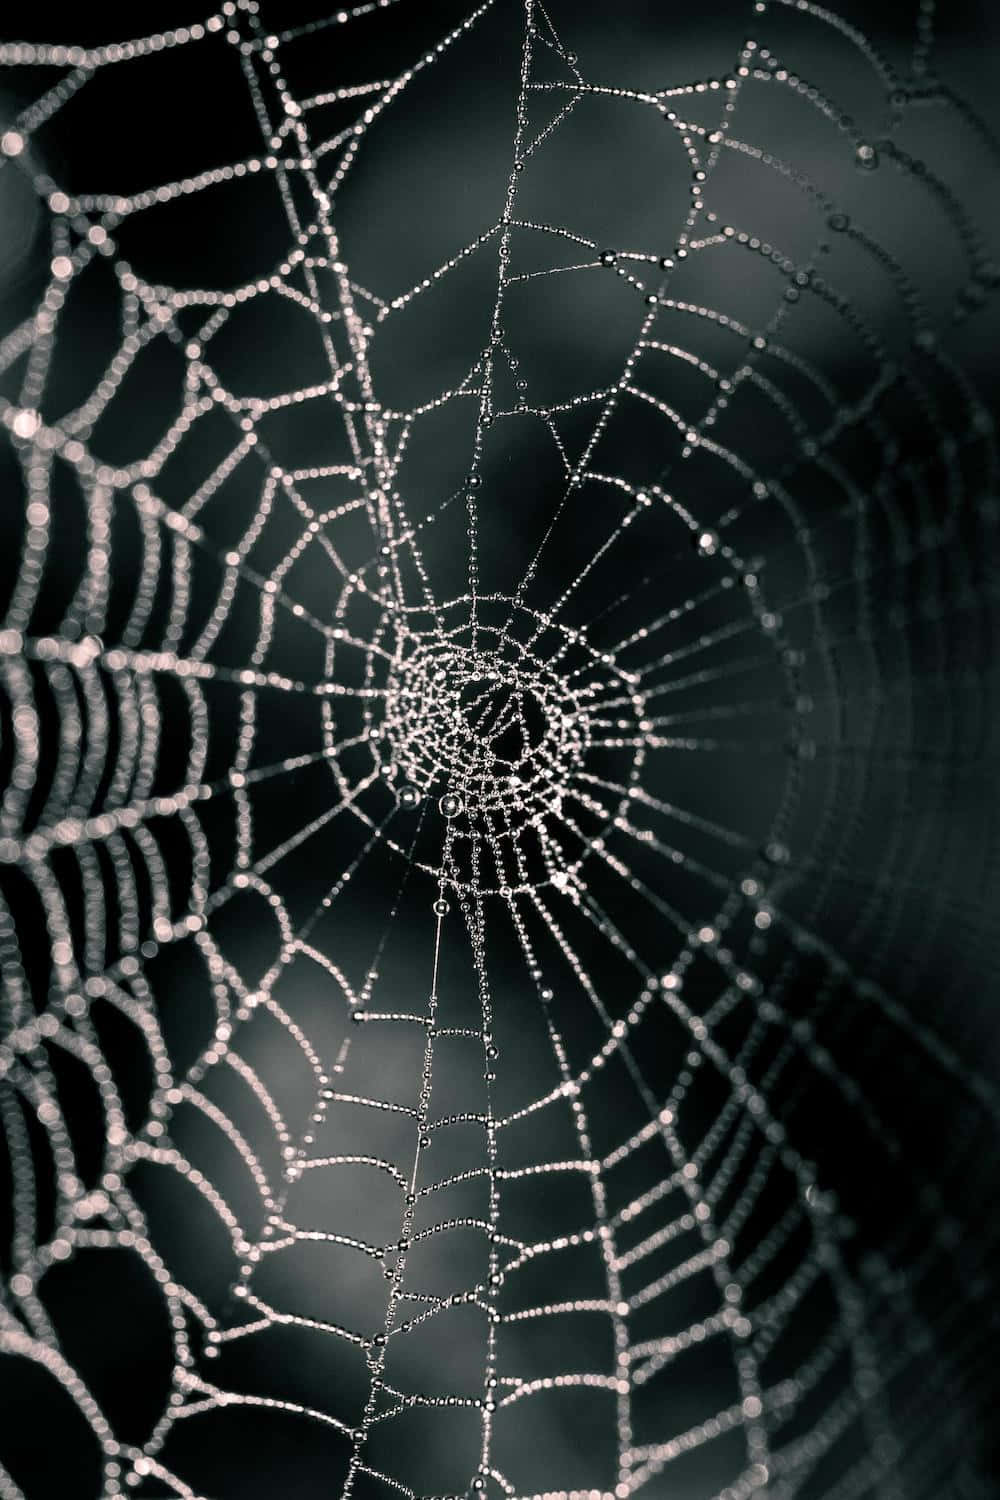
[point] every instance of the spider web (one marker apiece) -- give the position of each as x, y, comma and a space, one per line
497, 811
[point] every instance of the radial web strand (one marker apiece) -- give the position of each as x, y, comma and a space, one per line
498, 823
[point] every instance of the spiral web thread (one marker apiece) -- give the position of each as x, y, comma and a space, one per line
495, 755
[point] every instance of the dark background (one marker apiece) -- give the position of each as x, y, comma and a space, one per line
856, 776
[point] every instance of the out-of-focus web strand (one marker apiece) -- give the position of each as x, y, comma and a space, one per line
94, 685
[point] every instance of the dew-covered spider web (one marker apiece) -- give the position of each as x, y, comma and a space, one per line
498, 840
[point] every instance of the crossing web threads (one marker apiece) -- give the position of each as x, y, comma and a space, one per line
498, 826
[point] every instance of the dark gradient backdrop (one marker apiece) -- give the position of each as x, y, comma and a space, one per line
820, 411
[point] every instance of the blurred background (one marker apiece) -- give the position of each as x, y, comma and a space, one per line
748, 968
